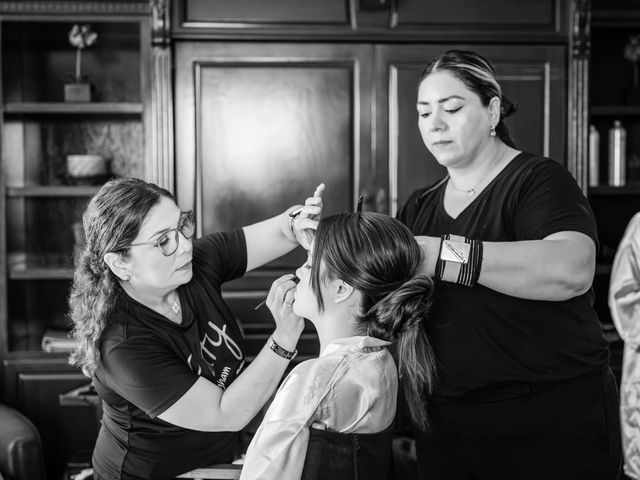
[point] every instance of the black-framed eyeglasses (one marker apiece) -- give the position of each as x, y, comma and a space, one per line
168, 243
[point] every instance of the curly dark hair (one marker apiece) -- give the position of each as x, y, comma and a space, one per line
378, 256
111, 222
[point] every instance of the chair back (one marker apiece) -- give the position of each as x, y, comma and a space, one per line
21, 455
347, 456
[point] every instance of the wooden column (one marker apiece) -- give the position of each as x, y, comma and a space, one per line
160, 162
578, 113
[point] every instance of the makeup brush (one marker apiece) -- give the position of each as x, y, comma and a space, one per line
295, 279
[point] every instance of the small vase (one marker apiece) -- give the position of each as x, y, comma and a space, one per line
77, 92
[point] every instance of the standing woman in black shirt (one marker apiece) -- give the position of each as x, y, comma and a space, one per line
161, 346
524, 390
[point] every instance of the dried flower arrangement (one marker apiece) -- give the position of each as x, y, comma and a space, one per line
81, 37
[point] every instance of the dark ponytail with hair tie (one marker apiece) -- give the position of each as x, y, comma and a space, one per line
398, 317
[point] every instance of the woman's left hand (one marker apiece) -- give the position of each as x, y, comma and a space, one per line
305, 222
289, 326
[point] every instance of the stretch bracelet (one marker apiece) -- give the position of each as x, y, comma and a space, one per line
286, 354
459, 260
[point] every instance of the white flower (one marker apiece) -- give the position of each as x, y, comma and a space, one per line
632, 49
81, 36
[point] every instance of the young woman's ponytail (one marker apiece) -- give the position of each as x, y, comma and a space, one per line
398, 318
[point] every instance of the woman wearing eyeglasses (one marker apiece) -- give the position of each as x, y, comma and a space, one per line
164, 351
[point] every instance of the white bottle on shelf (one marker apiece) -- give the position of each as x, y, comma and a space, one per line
594, 157
617, 155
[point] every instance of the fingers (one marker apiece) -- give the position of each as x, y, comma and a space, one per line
319, 190
281, 292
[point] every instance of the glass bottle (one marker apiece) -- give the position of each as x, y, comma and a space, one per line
617, 155
594, 156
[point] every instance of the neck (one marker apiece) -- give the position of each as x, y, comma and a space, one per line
162, 303
334, 326
474, 175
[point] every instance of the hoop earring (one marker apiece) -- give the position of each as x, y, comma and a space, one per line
126, 278
492, 130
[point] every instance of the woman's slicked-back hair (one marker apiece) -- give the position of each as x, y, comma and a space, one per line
379, 257
111, 222
479, 76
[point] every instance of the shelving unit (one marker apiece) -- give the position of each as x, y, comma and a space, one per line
42, 204
610, 82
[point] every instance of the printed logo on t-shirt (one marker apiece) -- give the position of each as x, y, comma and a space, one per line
217, 348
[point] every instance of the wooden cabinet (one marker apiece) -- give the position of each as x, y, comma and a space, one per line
527, 21
42, 197
258, 125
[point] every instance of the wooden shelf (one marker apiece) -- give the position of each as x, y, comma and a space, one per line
22, 272
605, 190
53, 191
615, 110
55, 108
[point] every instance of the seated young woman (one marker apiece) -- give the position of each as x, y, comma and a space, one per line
361, 290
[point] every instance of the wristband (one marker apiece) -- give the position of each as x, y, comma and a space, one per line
459, 260
278, 350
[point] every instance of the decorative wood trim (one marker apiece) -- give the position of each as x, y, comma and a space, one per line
161, 168
56, 7
578, 114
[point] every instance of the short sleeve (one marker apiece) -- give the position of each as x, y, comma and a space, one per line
146, 373
222, 256
550, 201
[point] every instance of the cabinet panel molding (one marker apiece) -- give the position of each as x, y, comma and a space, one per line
392, 20
259, 126
523, 16
257, 13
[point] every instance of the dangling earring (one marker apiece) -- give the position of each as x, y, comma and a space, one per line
126, 278
492, 130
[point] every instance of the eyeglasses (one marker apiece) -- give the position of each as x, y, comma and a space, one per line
168, 243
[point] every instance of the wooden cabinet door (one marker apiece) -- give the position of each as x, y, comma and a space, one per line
258, 126
533, 77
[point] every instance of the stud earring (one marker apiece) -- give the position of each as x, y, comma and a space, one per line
492, 130
126, 278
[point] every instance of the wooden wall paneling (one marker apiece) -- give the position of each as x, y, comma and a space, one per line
464, 18
524, 21
533, 77
259, 126
275, 17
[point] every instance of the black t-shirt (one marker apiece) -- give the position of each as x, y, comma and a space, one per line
483, 338
148, 363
